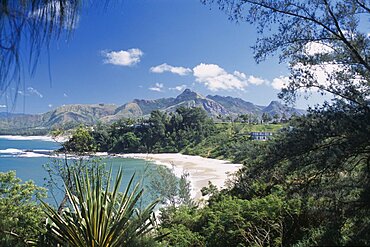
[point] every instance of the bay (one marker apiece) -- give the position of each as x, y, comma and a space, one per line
26, 156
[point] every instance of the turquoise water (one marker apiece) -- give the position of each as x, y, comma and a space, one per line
5, 143
16, 155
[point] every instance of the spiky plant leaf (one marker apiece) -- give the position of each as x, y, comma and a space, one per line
99, 216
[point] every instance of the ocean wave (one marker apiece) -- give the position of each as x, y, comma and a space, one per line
33, 155
14, 152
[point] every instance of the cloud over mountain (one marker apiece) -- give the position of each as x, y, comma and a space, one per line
158, 87
169, 68
216, 78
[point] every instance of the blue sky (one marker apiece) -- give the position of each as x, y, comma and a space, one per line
151, 49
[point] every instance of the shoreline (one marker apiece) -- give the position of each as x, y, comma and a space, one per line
201, 170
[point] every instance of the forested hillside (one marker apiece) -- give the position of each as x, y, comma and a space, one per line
188, 130
307, 185
70, 116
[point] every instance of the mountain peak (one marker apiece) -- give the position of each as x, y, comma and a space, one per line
278, 108
188, 95
275, 102
72, 115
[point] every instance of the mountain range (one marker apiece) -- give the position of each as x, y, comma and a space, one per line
68, 116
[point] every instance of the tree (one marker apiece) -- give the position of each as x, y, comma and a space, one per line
229, 221
195, 122
266, 117
171, 190
129, 142
156, 130
101, 135
276, 118
244, 118
99, 215
81, 141
21, 217
33, 24
323, 158
320, 35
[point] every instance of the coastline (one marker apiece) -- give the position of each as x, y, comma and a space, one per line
201, 170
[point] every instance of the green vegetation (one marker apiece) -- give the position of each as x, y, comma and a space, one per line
188, 130
68, 117
229, 221
169, 189
95, 213
308, 186
230, 141
99, 214
21, 217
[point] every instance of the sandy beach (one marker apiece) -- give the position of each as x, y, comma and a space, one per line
201, 170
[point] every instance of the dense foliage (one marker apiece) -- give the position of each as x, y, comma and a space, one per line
318, 168
323, 160
188, 130
161, 132
21, 218
310, 185
311, 182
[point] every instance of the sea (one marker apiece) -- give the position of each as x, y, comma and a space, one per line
29, 157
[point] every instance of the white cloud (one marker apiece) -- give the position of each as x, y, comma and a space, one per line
30, 91
169, 68
123, 58
315, 48
321, 76
2, 106
65, 95
256, 80
50, 105
280, 82
33, 91
321, 73
216, 78
178, 88
324, 74
158, 87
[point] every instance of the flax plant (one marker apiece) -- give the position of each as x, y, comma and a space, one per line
99, 215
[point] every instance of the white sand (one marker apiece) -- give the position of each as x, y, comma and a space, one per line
201, 170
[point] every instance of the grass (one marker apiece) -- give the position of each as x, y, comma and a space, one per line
228, 139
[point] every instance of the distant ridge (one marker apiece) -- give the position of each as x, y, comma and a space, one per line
69, 116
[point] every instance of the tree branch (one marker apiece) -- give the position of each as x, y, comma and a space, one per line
363, 5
